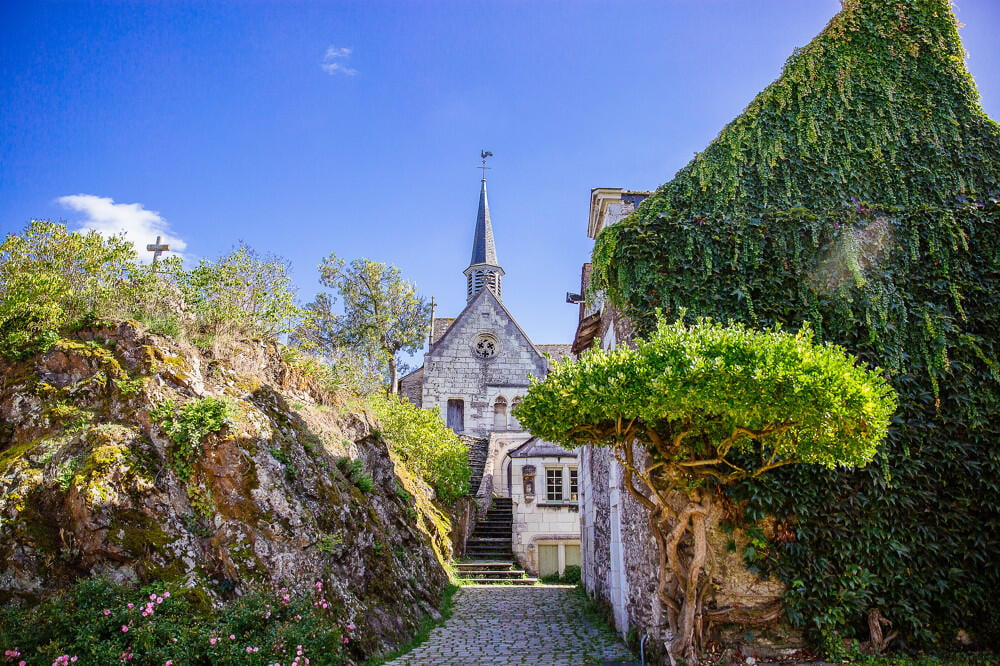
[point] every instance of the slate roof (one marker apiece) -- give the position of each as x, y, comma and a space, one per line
557, 352
537, 448
483, 249
441, 325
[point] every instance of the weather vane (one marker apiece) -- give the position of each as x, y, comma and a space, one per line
484, 154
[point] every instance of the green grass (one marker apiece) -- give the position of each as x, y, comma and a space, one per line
427, 624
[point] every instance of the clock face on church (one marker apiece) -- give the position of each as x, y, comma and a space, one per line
486, 345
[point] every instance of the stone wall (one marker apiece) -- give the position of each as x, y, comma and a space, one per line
411, 387
452, 370
621, 564
537, 521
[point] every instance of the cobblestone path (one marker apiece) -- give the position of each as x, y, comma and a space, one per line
507, 624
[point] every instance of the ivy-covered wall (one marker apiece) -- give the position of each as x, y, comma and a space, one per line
859, 192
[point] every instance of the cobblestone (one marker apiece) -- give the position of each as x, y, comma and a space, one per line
504, 625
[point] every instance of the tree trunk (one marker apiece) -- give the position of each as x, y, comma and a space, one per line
393, 388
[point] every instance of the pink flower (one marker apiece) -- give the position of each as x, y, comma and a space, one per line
124, 628
152, 597
166, 595
107, 611
232, 637
170, 662
211, 641
131, 605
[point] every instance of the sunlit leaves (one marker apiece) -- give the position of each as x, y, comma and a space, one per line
810, 402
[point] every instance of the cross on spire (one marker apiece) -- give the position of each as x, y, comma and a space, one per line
484, 154
157, 248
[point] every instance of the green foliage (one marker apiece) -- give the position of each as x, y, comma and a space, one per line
130, 387
52, 279
86, 622
859, 192
571, 575
241, 293
425, 445
187, 425
702, 394
355, 471
382, 314
55, 281
330, 543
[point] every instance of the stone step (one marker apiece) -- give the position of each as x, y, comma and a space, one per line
489, 552
488, 541
499, 581
491, 573
501, 565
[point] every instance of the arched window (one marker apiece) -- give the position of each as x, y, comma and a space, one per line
513, 419
500, 413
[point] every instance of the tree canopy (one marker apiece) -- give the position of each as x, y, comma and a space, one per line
699, 393
382, 313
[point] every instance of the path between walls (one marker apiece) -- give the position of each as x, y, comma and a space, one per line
503, 625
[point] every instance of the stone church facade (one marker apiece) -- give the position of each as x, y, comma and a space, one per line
475, 371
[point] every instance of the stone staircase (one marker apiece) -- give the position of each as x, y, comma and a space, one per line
489, 558
478, 450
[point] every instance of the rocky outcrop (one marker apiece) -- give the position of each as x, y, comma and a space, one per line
292, 488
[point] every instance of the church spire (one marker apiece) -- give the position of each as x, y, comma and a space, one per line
483, 250
483, 270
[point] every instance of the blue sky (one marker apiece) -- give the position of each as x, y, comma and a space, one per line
355, 127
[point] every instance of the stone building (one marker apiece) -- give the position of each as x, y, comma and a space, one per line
475, 371
619, 555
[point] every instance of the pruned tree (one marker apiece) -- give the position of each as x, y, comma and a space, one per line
711, 404
382, 313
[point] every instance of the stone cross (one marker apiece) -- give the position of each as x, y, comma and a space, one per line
430, 336
157, 248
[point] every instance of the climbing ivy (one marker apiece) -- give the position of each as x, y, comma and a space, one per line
859, 192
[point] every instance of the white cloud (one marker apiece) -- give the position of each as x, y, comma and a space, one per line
333, 61
139, 225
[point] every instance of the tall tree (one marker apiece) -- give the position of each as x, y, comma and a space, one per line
711, 405
383, 314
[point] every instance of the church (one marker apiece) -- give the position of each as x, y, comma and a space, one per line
475, 371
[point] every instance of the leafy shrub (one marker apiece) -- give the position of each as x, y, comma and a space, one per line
187, 425
56, 281
355, 471
99, 622
424, 444
53, 279
241, 293
571, 575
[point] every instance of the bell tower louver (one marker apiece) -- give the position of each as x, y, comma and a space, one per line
483, 270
